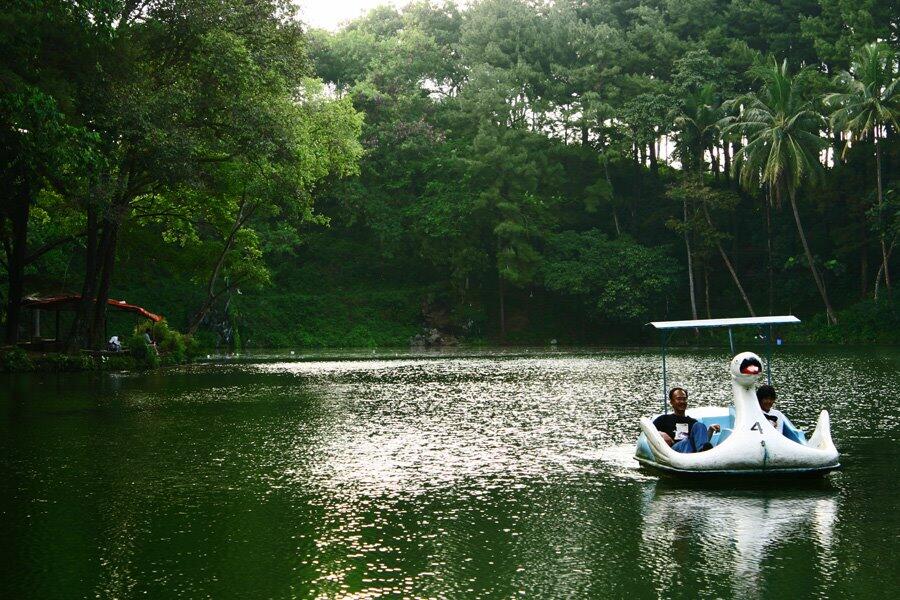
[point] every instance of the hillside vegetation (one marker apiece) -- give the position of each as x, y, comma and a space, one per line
511, 172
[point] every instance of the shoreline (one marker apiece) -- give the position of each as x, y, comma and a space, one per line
13, 362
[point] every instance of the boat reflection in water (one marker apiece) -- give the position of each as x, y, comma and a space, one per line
717, 539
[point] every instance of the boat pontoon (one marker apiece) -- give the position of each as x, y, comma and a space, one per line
746, 443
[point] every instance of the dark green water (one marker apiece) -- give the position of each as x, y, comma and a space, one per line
426, 476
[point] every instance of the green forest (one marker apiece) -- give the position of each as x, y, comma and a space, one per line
507, 171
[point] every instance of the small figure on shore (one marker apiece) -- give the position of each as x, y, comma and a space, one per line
683, 433
114, 345
766, 396
150, 341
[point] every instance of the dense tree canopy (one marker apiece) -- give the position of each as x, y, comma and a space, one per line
184, 110
509, 169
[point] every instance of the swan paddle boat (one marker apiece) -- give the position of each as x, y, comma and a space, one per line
746, 443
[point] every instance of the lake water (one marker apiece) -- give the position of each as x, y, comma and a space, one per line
493, 474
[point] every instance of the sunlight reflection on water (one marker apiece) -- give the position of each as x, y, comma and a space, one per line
482, 426
481, 476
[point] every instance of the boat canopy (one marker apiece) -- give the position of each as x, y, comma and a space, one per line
665, 326
739, 322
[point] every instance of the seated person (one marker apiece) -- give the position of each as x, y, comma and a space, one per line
114, 345
766, 396
150, 341
681, 432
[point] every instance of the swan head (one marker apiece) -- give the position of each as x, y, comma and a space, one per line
746, 368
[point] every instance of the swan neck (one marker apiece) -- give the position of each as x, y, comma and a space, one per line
746, 406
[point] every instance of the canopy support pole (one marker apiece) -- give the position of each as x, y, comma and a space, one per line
665, 387
769, 357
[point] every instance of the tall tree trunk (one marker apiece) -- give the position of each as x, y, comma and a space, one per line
878, 281
78, 334
245, 212
654, 166
884, 252
502, 311
864, 260
714, 159
18, 217
737, 282
690, 263
201, 314
706, 289
637, 182
615, 214
832, 317
107, 261
770, 267
881, 272
211, 294
734, 276
836, 144
727, 158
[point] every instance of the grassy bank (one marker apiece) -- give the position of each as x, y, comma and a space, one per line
16, 360
167, 347
319, 311
867, 322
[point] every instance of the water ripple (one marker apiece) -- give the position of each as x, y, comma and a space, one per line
489, 475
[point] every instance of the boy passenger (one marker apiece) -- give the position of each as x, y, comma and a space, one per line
766, 396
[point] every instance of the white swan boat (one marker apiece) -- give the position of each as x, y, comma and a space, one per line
746, 443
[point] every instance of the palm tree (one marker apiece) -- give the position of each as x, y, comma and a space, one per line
697, 127
783, 145
868, 102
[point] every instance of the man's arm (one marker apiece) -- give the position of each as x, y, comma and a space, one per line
658, 423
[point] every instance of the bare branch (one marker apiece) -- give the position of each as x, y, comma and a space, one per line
52, 246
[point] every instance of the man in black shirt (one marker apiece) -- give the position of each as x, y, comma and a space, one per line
681, 432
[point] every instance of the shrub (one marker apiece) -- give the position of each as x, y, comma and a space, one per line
67, 362
192, 347
15, 360
862, 323
172, 346
143, 352
359, 336
204, 339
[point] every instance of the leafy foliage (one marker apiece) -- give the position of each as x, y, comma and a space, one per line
782, 128
618, 279
542, 170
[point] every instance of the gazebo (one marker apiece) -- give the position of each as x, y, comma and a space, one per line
69, 303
